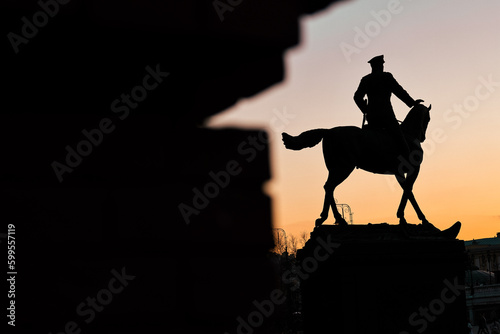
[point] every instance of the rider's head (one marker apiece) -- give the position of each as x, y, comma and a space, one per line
377, 63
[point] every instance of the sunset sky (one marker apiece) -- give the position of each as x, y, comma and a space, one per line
444, 52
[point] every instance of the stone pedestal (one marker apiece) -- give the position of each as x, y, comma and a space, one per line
374, 279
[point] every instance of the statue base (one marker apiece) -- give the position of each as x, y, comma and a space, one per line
378, 279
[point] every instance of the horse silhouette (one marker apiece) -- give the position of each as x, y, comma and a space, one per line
376, 151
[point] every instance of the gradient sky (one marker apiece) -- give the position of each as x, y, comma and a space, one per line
444, 52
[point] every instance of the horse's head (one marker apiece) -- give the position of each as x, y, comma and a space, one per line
416, 122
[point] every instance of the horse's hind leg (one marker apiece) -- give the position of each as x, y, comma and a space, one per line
326, 203
326, 208
335, 177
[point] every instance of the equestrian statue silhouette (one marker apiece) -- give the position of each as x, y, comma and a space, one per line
383, 146
348, 147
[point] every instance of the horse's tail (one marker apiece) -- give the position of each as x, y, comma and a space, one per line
308, 138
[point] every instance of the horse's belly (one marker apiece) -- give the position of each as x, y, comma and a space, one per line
378, 161
377, 168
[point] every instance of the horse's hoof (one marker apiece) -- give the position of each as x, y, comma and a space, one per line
341, 222
428, 226
319, 221
404, 227
402, 221
425, 222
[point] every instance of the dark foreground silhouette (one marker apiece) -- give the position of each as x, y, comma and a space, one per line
345, 148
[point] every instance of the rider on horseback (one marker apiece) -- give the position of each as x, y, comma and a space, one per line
378, 87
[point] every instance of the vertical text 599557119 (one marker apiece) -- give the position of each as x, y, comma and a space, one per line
11, 274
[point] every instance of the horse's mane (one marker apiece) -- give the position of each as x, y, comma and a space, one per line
415, 124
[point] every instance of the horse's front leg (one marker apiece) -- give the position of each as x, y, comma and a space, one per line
407, 185
419, 212
404, 199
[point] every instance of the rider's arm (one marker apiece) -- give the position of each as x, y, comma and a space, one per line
401, 93
359, 97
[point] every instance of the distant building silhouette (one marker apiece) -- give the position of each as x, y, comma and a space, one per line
482, 278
